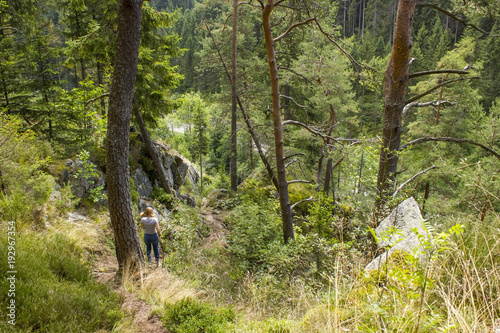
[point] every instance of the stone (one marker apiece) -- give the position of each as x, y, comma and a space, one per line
142, 183
406, 218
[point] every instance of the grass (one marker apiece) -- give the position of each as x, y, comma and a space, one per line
55, 291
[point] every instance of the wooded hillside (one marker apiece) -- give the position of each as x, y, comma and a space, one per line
305, 123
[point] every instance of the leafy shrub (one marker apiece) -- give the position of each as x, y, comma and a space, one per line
164, 198
191, 316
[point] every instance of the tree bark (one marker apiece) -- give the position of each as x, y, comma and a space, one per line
234, 91
395, 85
128, 246
286, 212
152, 152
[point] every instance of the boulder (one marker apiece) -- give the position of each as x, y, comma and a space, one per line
142, 183
406, 219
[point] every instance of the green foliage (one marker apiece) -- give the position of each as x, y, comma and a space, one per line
55, 291
191, 316
87, 173
24, 186
164, 198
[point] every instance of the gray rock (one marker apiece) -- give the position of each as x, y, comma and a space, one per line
142, 183
405, 219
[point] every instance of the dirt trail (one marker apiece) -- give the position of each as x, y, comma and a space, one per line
105, 272
137, 310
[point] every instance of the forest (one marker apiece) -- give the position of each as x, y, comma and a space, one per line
273, 139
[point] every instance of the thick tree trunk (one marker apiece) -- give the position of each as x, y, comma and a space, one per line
128, 246
395, 84
286, 212
234, 91
153, 153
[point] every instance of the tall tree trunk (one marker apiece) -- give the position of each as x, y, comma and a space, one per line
286, 211
128, 246
153, 153
395, 84
234, 91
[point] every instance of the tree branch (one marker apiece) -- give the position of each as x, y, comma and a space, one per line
294, 72
441, 71
331, 39
413, 99
294, 102
455, 17
301, 201
421, 105
290, 28
447, 139
412, 179
299, 181
313, 131
92, 100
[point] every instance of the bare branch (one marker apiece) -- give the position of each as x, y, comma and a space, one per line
421, 105
294, 72
277, 3
455, 17
294, 102
299, 181
331, 39
413, 99
447, 139
293, 155
291, 162
92, 100
441, 71
313, 131
290, 28
301, 201
412, 179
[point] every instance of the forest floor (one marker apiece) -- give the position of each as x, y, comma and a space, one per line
139, 314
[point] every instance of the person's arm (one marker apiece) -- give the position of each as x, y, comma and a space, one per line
142, 224
157, 226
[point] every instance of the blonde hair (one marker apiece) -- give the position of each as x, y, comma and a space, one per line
148, 212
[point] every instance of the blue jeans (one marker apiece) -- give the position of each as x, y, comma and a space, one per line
152, 240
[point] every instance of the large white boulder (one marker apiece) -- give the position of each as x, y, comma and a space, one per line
399, 231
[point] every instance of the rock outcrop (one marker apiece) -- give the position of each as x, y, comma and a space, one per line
397, 231
177, 168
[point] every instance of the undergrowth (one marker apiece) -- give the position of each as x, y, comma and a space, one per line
54, 289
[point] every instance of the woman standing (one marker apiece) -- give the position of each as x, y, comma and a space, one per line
151, 233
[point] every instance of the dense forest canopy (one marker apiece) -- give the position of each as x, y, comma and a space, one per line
319, 117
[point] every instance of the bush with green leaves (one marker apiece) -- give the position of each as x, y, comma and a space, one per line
25, 188
255, 241
164, 198
87, 173
192, 316
55, 291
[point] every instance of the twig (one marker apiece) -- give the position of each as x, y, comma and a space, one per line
412, 179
